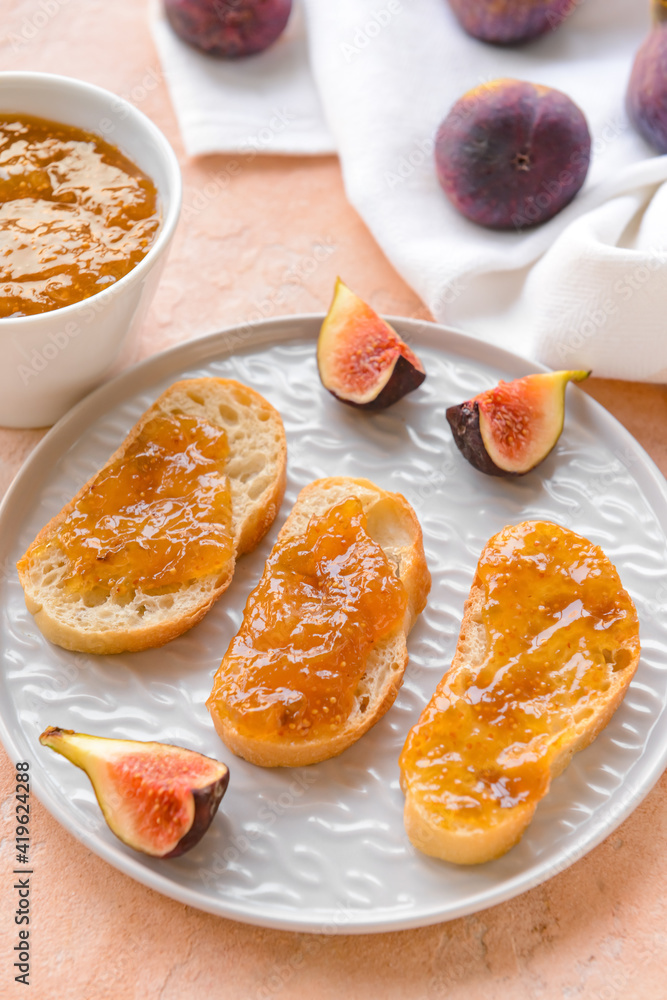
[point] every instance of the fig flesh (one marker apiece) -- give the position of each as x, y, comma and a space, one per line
157, 798
361, 359
646, 98
511, 154
508, 430
228, 28
510, 22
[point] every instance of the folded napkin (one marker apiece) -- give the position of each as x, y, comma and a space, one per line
264, 104
587, 289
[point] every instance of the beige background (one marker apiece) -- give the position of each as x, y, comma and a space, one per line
598, 930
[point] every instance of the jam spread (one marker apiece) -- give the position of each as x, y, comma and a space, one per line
324, 599
160, 516
75, 215
559, 624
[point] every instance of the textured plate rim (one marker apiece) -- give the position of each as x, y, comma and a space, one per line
220, 344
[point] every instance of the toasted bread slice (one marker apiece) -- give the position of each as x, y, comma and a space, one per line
103, 620
392, 525
548, 646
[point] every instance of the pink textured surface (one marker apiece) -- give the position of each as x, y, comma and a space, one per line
267, 236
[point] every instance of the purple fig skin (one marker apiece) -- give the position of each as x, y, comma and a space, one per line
647, 91
511, 22
512, 154
464, 422
207, 800
228, 28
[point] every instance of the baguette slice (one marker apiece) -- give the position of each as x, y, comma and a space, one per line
393, 525
108, 622
548, 646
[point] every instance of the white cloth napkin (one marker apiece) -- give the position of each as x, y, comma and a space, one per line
587, 289
263, 104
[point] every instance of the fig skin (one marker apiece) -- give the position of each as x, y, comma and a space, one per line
464, 422
511, 22
186, 788
361, 359
230, 29
207, 800
646, 98
510, 429
512, 154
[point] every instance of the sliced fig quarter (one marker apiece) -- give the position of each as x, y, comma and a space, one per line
361, 359
157, 798
508, 430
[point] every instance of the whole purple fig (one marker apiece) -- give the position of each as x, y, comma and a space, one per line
647, 91
509, 22
511, 154
228, 28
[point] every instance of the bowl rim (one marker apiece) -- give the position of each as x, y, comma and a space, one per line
174, 186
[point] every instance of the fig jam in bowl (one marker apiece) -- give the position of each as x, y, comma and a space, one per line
90, 192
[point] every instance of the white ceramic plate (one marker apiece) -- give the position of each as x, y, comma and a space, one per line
323, 848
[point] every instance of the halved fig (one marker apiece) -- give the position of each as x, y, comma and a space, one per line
157, 798
361, 359
508, 430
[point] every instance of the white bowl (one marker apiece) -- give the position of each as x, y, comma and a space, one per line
50, 360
